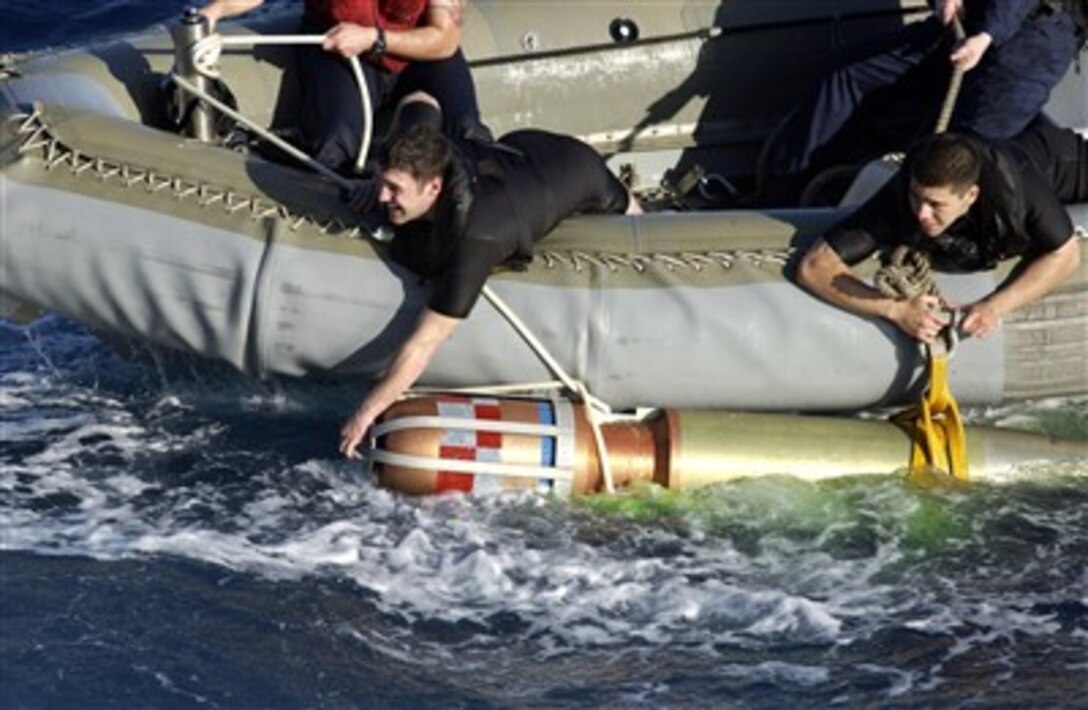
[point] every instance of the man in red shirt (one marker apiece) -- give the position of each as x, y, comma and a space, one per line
406, 46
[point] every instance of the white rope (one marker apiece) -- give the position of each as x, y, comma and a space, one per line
518, 388
265, 134
594, 406
465, 424
206, 53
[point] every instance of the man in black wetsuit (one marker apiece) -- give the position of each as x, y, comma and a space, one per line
968, 205
461, 212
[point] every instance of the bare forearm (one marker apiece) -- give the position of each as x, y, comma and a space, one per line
428, 43
218, 10
420, 44
1038, 279
826, 276
410, 362
438, 38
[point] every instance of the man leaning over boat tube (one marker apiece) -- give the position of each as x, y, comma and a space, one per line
406, 46
968, 205
460, 210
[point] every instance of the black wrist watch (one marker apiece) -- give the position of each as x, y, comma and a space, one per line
378, 49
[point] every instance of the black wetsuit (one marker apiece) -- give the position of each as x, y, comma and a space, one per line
498, 201
1019, 212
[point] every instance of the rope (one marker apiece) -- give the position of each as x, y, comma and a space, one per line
954, 84
906, 274
207, 50
597, 411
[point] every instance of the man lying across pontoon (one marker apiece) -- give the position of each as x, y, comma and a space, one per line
460, 213
968, 205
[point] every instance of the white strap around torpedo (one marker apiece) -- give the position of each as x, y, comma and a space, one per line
510, 470
465, 424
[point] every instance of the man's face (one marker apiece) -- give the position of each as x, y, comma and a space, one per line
936, 208
405, 198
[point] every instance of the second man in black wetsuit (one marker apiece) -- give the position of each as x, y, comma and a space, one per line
968, 205
459, 213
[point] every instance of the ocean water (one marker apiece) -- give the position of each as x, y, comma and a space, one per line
173, 534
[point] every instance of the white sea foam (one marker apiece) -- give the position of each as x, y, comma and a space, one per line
779, 672
766, 568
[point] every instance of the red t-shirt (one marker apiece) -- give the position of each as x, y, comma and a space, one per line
387, 14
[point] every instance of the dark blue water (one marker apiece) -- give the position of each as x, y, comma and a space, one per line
175, 535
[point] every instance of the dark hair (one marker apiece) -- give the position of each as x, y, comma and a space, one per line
945, 160
420, 150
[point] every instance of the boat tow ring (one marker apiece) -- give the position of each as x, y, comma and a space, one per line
623, 30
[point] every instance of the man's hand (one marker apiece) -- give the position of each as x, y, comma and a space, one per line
432, 329
981, 321
920, 317
217, 10
1039, 277
969, 52
353, 431
349, 40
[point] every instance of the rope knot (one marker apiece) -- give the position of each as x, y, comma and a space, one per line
905, 273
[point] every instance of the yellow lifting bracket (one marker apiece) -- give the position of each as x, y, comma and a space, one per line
934, 423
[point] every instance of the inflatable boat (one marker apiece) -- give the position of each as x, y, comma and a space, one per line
115, 219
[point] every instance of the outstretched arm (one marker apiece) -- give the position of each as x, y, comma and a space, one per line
438, 38
1038, 279
411, 360
826, 275
218, 10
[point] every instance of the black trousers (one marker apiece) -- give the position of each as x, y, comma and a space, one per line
885, 92
332, 118
1060, 155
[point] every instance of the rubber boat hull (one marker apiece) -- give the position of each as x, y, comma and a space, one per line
141, 233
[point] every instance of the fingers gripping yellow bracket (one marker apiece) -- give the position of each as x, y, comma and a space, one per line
935, 425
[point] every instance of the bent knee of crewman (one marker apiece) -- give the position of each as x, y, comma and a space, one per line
419, 96
418, 107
